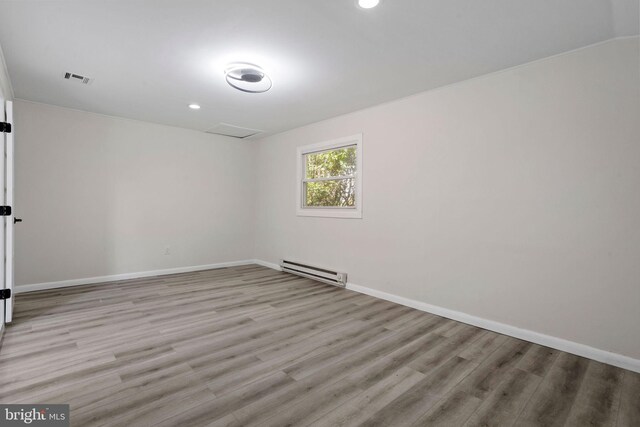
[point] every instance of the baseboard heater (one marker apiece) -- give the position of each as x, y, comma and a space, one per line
316, 273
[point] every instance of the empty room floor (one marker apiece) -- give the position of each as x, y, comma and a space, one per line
248, 346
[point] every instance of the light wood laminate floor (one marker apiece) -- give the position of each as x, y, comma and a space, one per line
249, 346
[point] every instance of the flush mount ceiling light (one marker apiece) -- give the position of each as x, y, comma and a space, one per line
368, 4
194, 106
247, 77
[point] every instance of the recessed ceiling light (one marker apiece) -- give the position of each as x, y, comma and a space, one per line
368, 4
194, 106
247, 77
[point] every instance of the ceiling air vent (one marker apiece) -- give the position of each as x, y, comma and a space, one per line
232, 131
78, 78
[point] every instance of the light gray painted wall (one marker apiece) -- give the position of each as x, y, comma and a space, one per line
6, 90
512, 197
101, 196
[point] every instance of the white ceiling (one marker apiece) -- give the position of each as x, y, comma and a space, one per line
150, 58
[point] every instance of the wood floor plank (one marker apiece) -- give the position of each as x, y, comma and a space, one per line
377, 371
494, 369
506, 402
598, 398
364, 405
483, 346
452, 410
383, 344
410, 406
313, 405
629, 412
551, 403
223, 406
269, 405
538, 360
439, 354
120, 406
152, 414
250, 346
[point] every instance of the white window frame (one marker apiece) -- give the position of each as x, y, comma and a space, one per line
330, 212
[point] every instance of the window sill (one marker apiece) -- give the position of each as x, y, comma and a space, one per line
331, 213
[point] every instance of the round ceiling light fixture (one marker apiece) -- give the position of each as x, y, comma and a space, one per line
247, 77
368, 4
194, 106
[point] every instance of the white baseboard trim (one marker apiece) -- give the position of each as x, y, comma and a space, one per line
578, 349
267, 264
115, 277
583, 350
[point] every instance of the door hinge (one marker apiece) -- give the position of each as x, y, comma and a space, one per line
5, 127
5, 210
5, 294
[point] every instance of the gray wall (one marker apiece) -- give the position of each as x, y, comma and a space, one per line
101, 196
6, 91
513, 197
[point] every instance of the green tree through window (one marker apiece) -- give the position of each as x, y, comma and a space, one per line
330, 178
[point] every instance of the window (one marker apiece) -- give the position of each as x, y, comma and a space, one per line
330, 179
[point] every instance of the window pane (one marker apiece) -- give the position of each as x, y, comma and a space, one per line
333, 193
339, 162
